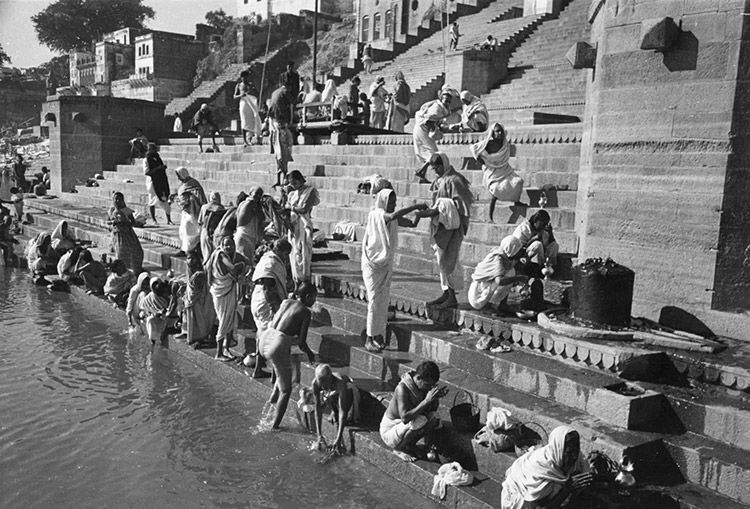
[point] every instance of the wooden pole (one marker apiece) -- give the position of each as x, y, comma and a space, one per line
315, 45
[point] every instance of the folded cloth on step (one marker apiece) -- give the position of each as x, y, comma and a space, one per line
346, 228
447, 213
450, 474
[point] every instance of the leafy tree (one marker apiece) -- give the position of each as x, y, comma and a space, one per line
68, 25
3, 56
59, 68
218, 19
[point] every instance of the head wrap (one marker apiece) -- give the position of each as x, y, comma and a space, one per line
182, 172
215, 198
480, 146
510, 246
381, 199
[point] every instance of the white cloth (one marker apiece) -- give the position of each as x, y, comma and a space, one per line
450, 474
448, 214
249, 116
378, 246
329, 92
498, 176
426, 128
496, 265
223, 288
392, 431
346, 228
246, 240
270, 266
301, 232
190, 232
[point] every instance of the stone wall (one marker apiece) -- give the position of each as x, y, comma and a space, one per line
90, 134
663, 174
20, 101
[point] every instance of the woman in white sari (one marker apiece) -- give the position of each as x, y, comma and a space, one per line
495, 275
246, 92
301, 201
499, 178
378, 247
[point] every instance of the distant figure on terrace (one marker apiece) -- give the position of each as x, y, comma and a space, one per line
538, 242
499, 178
138, 145
249, 230
301, 201
412, 413
450, 213
489, 44
495, 275
398, 107
474, 116
290, 80
330, 91
203, 125
6, 183
157, 183
315, 95
119, 282
200, 314
125, 242
280, 113
46, 177
378, 247
177, 126
19, 173
270, 279
354, 98
291, 320
250, 122
225, 270
455, 35
548, 476
62, 238
364, 109
378, 96
92, 272
367, 58
209, 218
16, 198
427, 128
190, 197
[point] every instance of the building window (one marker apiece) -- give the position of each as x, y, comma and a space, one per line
365, 28
388, 33
376, 26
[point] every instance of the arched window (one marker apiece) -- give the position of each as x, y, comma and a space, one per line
388, 33
376, 26
365, 28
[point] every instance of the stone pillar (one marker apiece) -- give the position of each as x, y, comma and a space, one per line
664, 181
475, 70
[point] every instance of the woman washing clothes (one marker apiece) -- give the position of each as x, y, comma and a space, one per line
119, 282
41, 257
549, 476
154, 310
498, 177
495, 275
135, 298
62, 238
291, 321
67, 264
125, 242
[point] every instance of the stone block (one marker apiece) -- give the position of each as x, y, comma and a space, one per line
628, 406
581, 55
621, 39
658, 34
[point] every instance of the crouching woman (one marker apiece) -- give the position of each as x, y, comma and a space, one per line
549, 476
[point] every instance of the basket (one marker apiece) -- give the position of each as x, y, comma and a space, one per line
529, 434
465, 416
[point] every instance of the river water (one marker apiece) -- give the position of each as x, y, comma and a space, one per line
88, 418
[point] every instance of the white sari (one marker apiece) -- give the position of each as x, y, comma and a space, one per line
378, 246
223, 288
498, 177
249, 116
301, 232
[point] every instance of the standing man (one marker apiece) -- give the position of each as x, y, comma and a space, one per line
455, 35
250, 219
427, 129
19, 173
450, 212
280, 115
138, 145
290, 80
398, 108
157, 183
204, 125
378, 95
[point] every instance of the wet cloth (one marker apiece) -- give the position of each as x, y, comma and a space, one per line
61, 238
249, 116
270, 266
426, 128
450, 474
301, 232
199, 308
498, 176
220, 271
496, 265
378, 246
66, 265
281, 142
538, 473
125, 243
276, 347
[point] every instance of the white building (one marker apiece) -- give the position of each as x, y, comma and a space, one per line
265, 8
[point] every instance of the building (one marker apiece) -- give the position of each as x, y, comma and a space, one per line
267, 8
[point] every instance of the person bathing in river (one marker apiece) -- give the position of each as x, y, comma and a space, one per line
411, 414
291, 320
135, 298
338, 392
549, 476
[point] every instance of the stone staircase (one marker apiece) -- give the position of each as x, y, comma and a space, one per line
540, 79
689, 441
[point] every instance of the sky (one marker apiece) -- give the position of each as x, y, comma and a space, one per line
19, 40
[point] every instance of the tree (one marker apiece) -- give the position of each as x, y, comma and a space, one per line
3, 56
59, 69
67, 25
218, 19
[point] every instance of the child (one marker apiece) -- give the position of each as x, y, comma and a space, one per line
338, 392
16, 199
364, 105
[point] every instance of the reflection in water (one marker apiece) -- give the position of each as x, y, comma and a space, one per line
90, 419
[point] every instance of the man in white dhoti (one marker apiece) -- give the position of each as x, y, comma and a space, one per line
224, 271
378, 247
427, 128
498, 176
450, 213
250, 122
191, 198
270, 278
495, 276
301, 201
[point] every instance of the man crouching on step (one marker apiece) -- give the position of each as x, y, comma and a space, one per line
410, 415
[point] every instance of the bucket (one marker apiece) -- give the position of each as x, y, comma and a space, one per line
465, 416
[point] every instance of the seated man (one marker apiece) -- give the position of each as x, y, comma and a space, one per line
538, 243
138, 145
474, 116
410, 415
339, 393
489, 44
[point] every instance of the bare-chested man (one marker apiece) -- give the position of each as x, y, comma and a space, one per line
291, 320
410, 415
338, 392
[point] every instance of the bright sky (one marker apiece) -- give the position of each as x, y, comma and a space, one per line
19, 40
